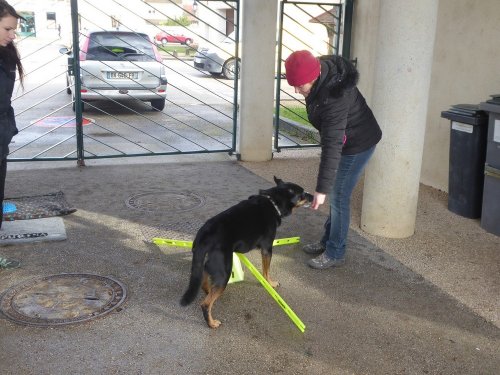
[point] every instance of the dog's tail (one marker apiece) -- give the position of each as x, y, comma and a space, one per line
199, 253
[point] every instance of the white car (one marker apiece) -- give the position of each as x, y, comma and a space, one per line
119, 65
219, 59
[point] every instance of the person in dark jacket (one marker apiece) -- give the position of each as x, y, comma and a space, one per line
9, 63
349, 133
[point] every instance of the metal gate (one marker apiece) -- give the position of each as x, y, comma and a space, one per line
324, 28
58, 115
198, 44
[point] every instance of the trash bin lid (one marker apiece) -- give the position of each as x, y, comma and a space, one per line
491, 106
495, 99
470, 114
467, 107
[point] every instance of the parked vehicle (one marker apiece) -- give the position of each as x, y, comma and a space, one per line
119, 65
219, 59
171, 36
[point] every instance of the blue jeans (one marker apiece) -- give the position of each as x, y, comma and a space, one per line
337, 225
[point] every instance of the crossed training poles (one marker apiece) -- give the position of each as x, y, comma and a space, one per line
237, 273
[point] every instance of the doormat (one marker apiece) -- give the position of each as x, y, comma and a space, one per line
37, 207
36, 230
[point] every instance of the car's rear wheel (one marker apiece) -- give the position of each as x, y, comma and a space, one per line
231, 69
188, 42
158, 104
68, 87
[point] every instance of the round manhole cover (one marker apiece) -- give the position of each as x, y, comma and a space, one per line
165, 201
62, 299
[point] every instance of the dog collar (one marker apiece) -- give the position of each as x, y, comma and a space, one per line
274, 204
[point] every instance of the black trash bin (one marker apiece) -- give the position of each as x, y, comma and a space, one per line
490, 219
467, 157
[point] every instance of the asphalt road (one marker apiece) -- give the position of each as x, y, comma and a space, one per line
198, 114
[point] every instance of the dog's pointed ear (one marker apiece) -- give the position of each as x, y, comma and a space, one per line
278, 180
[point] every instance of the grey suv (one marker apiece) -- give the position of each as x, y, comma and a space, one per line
119, 65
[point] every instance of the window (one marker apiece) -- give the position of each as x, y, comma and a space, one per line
51, 20
115, 24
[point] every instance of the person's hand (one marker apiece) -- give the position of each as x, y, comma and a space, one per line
318, 200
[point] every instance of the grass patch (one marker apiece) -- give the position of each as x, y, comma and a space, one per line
297, 114
178, 50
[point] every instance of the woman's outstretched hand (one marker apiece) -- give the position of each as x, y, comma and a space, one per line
318, 200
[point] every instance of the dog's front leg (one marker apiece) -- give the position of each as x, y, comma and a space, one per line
266, 264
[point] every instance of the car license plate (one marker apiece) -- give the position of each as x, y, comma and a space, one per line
122, 75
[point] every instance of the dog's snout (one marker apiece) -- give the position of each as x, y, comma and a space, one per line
306, 199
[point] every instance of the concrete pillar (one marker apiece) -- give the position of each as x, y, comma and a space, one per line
258, 47
399, 100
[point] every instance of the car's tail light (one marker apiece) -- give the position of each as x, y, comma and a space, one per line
157, 54
84, 48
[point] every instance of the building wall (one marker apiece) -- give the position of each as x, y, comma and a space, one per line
364, 40
464, 69
213, 29
45, 28
97, 14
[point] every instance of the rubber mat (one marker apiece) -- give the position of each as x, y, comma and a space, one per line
22, 231
37, 206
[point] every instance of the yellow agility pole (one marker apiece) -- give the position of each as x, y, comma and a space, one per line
180, 243
301, 326
237, 273
286, 241
169, 242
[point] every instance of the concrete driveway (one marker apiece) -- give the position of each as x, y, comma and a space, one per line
374, 316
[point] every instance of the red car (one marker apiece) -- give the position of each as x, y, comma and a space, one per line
165, 37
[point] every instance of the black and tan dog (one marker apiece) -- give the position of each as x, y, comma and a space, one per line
250, 224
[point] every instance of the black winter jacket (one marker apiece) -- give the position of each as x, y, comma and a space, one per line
337, 109
7, 119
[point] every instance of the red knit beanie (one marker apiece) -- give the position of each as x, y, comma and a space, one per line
301, 68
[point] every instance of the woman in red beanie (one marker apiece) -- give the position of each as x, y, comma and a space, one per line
349, 133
